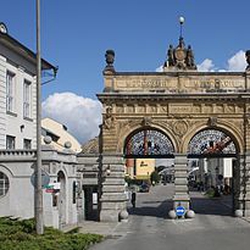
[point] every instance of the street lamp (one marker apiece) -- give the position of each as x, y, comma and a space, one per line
181, 21
38, 168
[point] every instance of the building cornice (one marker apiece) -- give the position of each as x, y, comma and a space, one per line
23, 51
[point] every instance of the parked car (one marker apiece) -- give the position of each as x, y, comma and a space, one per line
144, 188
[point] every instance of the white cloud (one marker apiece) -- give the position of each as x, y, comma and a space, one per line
81, 115
206, 65
237, 62
159, 69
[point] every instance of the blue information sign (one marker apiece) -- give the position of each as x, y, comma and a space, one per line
45, 178
180, 211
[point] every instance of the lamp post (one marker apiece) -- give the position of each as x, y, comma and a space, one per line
181, 21
38, 169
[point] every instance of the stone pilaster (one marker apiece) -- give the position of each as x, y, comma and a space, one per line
181, 196
244, 196
238, 185
113, 198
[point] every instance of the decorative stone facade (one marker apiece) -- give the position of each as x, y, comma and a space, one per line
179, 104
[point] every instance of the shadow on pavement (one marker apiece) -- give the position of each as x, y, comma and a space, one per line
222, 206
160, 211
201, 204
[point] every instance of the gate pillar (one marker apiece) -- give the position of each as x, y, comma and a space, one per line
244, 196
181, 196
238, 184
113, 199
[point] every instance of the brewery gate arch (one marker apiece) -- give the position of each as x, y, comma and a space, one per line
180, 103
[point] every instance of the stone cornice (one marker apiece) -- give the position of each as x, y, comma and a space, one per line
104, 97
179, 73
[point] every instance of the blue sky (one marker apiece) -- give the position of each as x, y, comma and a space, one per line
76, 33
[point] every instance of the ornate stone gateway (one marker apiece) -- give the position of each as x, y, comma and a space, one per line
178, 113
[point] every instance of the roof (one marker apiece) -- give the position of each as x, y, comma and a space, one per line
23, 51
91, 147
59, 134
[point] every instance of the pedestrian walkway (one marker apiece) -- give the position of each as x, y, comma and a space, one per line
102, 228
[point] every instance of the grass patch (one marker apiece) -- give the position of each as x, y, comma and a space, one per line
20, 234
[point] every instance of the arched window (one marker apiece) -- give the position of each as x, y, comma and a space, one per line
148, 142
4, 184
211, 142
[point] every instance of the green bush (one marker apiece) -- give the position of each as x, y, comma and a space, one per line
155, 177
20, 235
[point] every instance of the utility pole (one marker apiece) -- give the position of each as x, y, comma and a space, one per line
38, 169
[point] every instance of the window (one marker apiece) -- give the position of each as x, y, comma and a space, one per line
74, 189
10, 142
10, 87
27, 144
4, 184
27, 99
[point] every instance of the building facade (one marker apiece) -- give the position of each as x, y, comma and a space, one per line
18, 94
18, 144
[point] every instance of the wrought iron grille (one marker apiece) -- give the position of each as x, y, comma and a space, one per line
149, 143
211, 142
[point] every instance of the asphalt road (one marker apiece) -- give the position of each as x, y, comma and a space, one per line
149, 228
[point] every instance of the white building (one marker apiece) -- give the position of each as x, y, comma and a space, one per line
17, 93
211, 168
18, 142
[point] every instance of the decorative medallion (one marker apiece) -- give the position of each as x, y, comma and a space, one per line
180, 54
180, 128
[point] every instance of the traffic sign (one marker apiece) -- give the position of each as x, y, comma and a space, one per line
45, 179
53, 187
180, 211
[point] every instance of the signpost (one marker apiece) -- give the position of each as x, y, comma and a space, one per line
180, 211
45, 178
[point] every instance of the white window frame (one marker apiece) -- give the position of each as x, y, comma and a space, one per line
27, 98
10, 91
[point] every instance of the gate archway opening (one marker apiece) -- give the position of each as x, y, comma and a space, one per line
149, 157
148, 143
213, 172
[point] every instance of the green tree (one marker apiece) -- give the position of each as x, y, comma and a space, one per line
155, 177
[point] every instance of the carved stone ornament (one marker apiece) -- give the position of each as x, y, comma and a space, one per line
180, 128
180, 57
110, 58
109, 120
147, 121
247, 120
212, 121
180, 54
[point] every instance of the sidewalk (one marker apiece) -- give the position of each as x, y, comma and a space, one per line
103, 228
